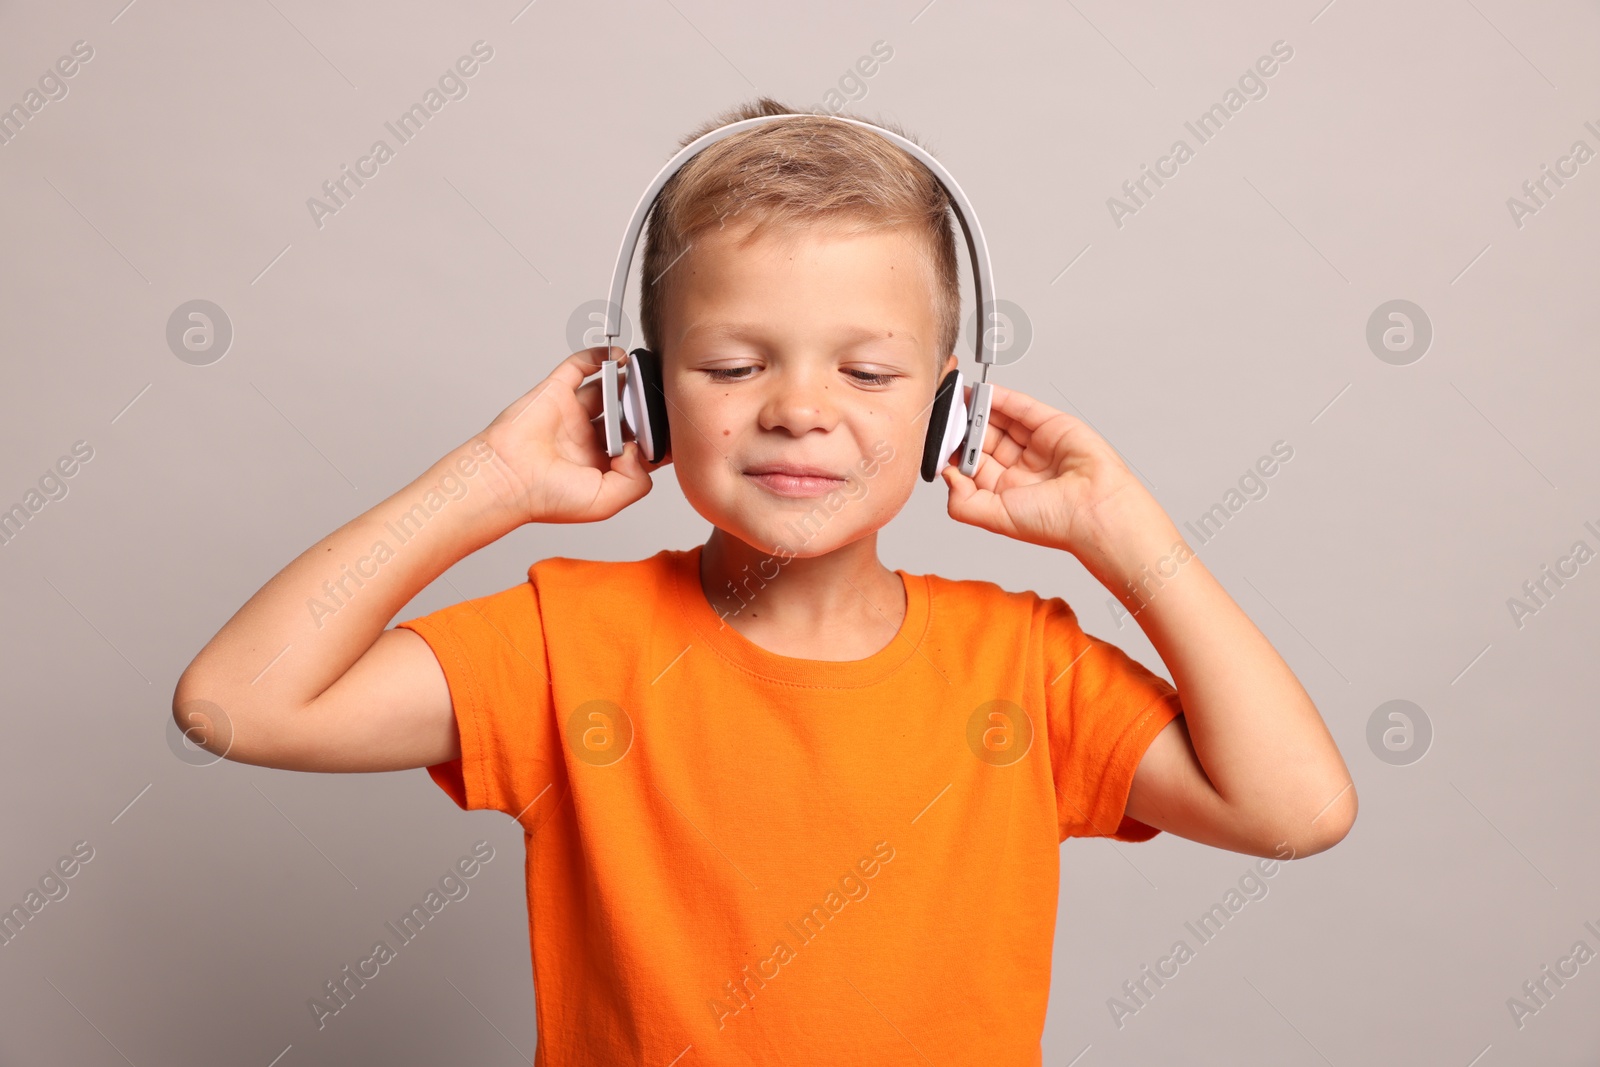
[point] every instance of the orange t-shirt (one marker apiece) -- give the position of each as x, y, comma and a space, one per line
737, 857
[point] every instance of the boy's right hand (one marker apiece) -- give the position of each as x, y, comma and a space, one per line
552, 457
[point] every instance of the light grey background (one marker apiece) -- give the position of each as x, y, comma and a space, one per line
1229, 313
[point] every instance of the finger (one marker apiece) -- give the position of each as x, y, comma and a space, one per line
1005, 425
999, 449
591, 397
1021, 408
568, 378
1040, 428
993, 472
626, 482
1002, 427
571, 371
662, 462
1004, 445
987, 476
973, 505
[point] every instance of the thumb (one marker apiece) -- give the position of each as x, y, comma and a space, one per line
971, 505
961, 490
625, 483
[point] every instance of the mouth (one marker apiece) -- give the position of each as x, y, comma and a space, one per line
794, 480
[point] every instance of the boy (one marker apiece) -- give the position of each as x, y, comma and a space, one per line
780, 802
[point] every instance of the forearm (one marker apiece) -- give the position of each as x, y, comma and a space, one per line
304, 629
1255, 731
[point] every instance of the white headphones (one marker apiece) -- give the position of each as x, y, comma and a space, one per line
950, 427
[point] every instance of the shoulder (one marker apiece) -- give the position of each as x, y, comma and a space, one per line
978, 592
557, 570
595, 614
569, 584
979, 609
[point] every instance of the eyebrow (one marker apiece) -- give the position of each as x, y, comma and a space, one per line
749, 331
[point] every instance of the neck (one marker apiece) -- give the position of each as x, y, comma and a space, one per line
744, 583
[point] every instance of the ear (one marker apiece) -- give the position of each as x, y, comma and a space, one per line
952, 361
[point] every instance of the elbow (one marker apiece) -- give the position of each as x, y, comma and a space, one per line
204, 731
1319, 831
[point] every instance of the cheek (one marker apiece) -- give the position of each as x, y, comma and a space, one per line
897, 477
706, 430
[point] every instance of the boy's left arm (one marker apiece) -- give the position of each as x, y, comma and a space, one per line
1249, 765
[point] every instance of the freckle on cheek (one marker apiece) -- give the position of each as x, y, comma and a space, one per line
726, 432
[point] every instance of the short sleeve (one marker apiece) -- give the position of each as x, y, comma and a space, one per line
1104, 709
492, 652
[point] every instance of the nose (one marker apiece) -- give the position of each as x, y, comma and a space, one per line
802, 398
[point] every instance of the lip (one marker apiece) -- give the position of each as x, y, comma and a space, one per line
795, 470
793, 479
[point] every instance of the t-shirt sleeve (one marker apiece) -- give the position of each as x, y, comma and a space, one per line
492, 651
1104, 709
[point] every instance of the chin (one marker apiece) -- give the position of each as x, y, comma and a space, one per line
798, 527
805, 533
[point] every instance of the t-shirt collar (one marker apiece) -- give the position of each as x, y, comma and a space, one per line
720, 638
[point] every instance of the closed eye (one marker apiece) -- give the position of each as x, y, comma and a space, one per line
737, 374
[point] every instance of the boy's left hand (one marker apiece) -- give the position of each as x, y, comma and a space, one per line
1047, 478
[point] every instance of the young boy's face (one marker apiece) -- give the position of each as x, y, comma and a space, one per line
814, 349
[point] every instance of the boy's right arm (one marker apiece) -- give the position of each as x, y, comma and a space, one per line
288, 683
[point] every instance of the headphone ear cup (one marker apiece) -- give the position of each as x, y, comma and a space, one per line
947, 425
644, 405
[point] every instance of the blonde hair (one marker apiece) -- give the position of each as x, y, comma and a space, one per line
813, 171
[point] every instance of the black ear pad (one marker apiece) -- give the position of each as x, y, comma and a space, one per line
932, 462
648, 366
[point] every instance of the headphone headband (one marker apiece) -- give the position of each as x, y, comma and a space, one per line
977, 249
